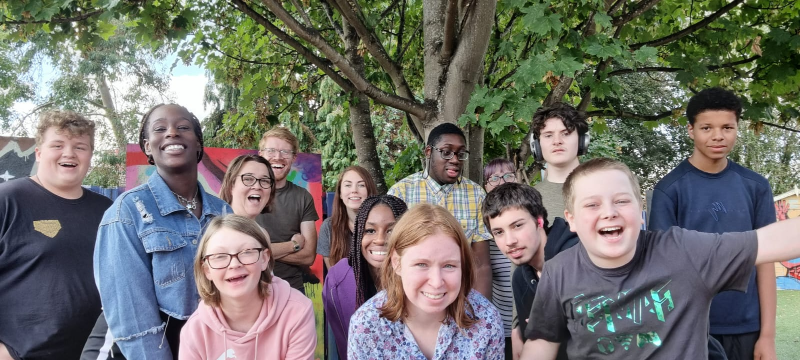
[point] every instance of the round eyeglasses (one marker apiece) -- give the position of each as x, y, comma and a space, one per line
505, 178
448, 154
250, 180
272, 152
222, 260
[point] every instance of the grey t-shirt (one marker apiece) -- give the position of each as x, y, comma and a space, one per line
324, 238
552, 198
654, 307
293, 205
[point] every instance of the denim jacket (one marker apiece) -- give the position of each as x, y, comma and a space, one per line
143, 264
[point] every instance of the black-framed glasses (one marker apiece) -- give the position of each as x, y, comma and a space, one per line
275, 152
222, 260
250, 180
448, 154
506, 178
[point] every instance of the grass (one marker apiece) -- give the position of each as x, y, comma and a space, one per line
787, 327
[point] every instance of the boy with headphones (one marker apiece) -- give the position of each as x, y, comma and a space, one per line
559, 137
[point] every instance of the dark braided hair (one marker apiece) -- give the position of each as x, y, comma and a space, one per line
198, 131
365, 286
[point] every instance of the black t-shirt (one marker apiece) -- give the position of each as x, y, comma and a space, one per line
654, 307
48, 298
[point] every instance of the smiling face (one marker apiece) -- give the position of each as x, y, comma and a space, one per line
378, 226
246, 200
714, 134
281, 164
446, 171
236, 281
63, 160
607, 216
431, 275
559, 146
353, 190
517, 234
171, 138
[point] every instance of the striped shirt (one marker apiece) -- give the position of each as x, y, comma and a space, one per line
462, 199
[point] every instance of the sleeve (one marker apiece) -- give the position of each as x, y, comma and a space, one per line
496, 334
723, 261
309, 210
303, 338
188, 348
765, 208
359, 336
663, 212
126, 288
324, 238
398, 190
481, 233
547, 320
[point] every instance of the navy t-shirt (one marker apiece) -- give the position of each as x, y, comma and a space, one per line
49, 298
735, 199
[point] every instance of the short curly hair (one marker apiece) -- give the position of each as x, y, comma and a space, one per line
572, 118
711, 99
64, 120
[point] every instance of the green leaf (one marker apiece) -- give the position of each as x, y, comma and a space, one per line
567, 66
602, 20
645, 54
105, 29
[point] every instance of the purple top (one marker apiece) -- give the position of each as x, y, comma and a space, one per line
339, 300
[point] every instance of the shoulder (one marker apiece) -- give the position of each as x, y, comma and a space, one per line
472, 187
297, 301
340, 272
407, 181
217, 205
96, 199
326, 224
130, 201
748, 175
482, 307
674, 175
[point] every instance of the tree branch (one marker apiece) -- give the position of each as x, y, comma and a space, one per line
357, 81
303, 14
79, 17
215, 48
631, 115
321, 63
329, 14
780, 126
623, 19
450, 18
692, 28
671, 69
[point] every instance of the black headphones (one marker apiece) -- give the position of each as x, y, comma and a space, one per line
536, 148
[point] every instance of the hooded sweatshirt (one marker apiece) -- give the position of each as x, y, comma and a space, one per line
284, 330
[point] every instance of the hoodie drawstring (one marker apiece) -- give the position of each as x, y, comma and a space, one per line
165, 333
224, 332
256, 357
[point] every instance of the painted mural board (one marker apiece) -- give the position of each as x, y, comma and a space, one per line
787, 206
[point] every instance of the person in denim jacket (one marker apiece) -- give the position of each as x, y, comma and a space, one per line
147, 240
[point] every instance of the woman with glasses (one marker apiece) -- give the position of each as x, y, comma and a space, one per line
497, 172
248, 186
245, 310
148, 239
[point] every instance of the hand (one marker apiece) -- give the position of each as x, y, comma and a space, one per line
516, 344
4, 355
300, 240
765, 349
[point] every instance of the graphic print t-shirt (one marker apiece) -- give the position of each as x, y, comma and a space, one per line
654, 307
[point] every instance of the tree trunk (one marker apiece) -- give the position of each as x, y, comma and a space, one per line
111, 113
474, 165
360, 120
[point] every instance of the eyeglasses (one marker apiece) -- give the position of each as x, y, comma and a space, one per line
222, 260
506, 178
250, 180
275, 152
448, 154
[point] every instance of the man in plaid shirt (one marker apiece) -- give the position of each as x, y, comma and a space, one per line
441, 183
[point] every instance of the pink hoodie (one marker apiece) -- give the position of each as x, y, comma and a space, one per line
284, 330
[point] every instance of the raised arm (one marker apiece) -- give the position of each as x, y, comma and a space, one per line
779, 241
539, 350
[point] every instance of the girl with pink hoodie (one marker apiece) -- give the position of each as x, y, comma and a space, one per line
246, 312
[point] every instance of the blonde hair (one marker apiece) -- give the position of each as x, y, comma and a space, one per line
205, 287
64, 120
419, 223
283, 134
593, 166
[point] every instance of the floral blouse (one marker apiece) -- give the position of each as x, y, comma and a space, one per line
373, 337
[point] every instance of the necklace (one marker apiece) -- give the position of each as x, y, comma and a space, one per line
190, 204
